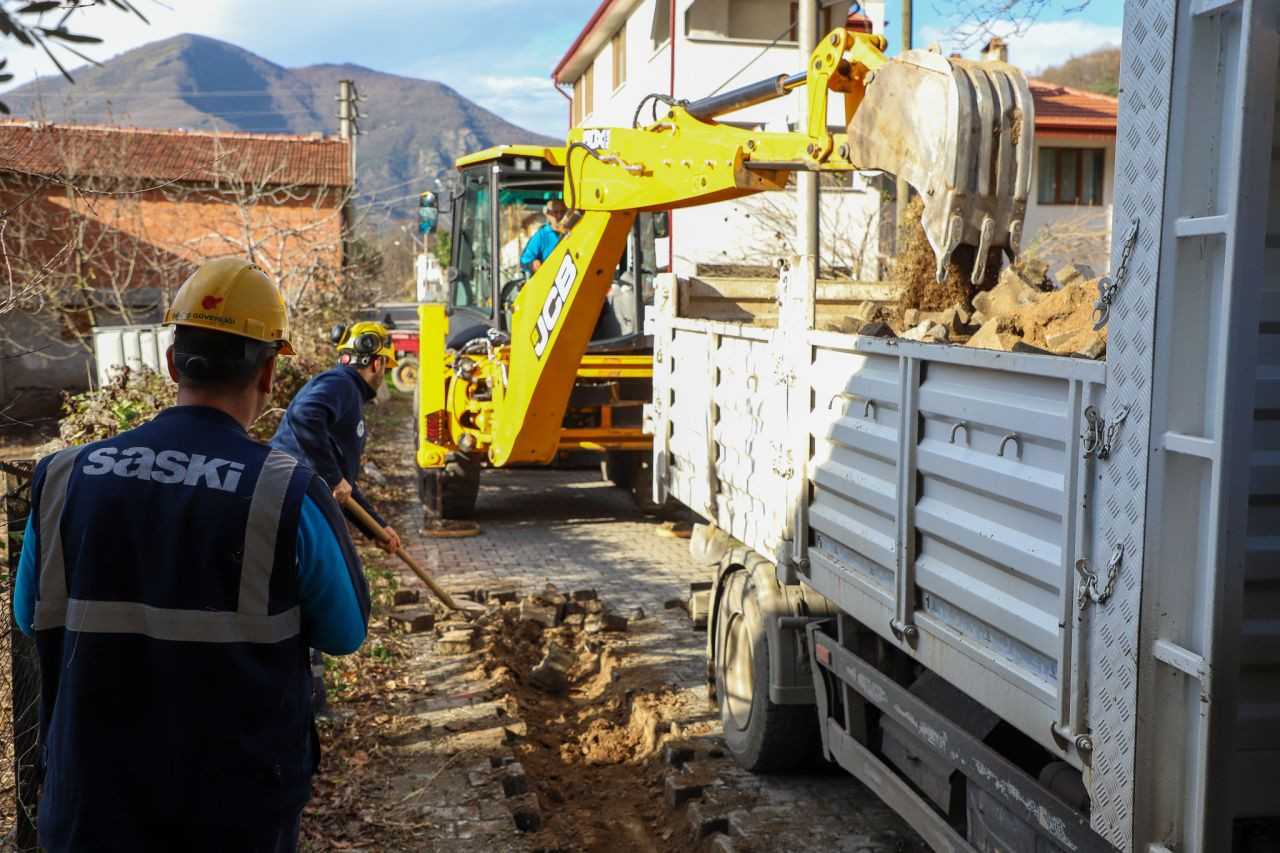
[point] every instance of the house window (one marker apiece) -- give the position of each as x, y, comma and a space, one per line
1069, 176
660, 30
582, 92
619, 44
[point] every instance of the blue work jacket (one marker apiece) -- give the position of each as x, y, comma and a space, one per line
324, 428
174, 577
540, 245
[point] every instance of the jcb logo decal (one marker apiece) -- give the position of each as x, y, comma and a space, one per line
553, 307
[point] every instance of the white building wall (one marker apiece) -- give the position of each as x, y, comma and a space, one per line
753, 231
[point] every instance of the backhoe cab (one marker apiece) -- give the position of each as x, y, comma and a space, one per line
497, 207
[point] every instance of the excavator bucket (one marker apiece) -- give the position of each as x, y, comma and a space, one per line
960, 132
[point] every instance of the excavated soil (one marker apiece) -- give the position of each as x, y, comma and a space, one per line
591, 752
915, 267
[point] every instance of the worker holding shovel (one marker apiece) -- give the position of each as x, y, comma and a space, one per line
324, 428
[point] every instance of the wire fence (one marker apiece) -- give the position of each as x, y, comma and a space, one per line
19, 678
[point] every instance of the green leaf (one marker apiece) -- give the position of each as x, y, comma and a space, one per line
39, 7
65, 35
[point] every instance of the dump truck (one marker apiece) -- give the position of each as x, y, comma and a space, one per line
464, 345
1029, 600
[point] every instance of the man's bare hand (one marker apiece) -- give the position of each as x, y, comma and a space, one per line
342, 491
393, 541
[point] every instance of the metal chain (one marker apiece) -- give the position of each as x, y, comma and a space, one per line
1104, 452
1089, 591
1108, 286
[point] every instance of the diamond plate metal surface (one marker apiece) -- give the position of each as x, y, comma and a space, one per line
1141, 151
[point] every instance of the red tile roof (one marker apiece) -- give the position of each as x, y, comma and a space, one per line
1066, 110
81, 151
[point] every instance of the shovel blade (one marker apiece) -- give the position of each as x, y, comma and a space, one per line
961, 133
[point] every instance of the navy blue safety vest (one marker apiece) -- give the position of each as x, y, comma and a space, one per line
176, 689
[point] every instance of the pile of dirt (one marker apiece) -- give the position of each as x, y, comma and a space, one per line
1024, 312
915, 267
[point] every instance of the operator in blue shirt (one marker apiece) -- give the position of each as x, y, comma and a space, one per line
546, 238
173, 577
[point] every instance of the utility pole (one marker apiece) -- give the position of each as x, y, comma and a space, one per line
807, 182
903, 188
349, 116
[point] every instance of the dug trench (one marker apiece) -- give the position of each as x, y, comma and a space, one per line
597, 716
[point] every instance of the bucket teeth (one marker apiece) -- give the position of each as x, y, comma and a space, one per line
960, 132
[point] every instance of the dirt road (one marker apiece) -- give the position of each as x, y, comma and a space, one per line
571, 715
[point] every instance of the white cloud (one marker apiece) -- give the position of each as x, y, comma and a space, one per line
1040, 45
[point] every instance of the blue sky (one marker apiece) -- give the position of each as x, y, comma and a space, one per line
499, 53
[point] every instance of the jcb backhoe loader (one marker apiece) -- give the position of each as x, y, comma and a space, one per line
960, 132
497, 205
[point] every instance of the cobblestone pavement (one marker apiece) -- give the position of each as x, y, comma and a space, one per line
482, 767
569, 528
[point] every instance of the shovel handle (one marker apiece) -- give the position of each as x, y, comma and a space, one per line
381, 535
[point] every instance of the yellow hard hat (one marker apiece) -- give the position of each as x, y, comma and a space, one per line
364, 341
234, 296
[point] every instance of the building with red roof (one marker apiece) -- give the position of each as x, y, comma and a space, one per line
103, 223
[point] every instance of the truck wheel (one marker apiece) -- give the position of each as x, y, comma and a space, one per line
618, 467
761, 736
450, 492
405, 376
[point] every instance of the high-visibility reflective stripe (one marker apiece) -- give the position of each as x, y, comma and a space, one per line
260, 533
53, 497
191, 626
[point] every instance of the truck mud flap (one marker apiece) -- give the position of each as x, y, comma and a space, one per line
1001, 781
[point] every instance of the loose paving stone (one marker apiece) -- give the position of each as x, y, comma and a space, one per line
526, 812
406, 596
412, 622
514, 782
604, 621
455, 643
540, 614
552, 673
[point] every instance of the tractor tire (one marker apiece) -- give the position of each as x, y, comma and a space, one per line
405, 376
761, 736
450, 492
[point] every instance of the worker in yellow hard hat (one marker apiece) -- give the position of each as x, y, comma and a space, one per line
174, 577
324, 427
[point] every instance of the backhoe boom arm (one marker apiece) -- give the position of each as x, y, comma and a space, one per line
959, 132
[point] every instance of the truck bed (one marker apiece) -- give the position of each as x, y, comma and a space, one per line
969, 458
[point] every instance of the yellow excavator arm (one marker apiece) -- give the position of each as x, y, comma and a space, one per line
960, 132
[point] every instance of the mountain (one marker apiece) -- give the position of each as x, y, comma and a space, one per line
1097, 71
414, 129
